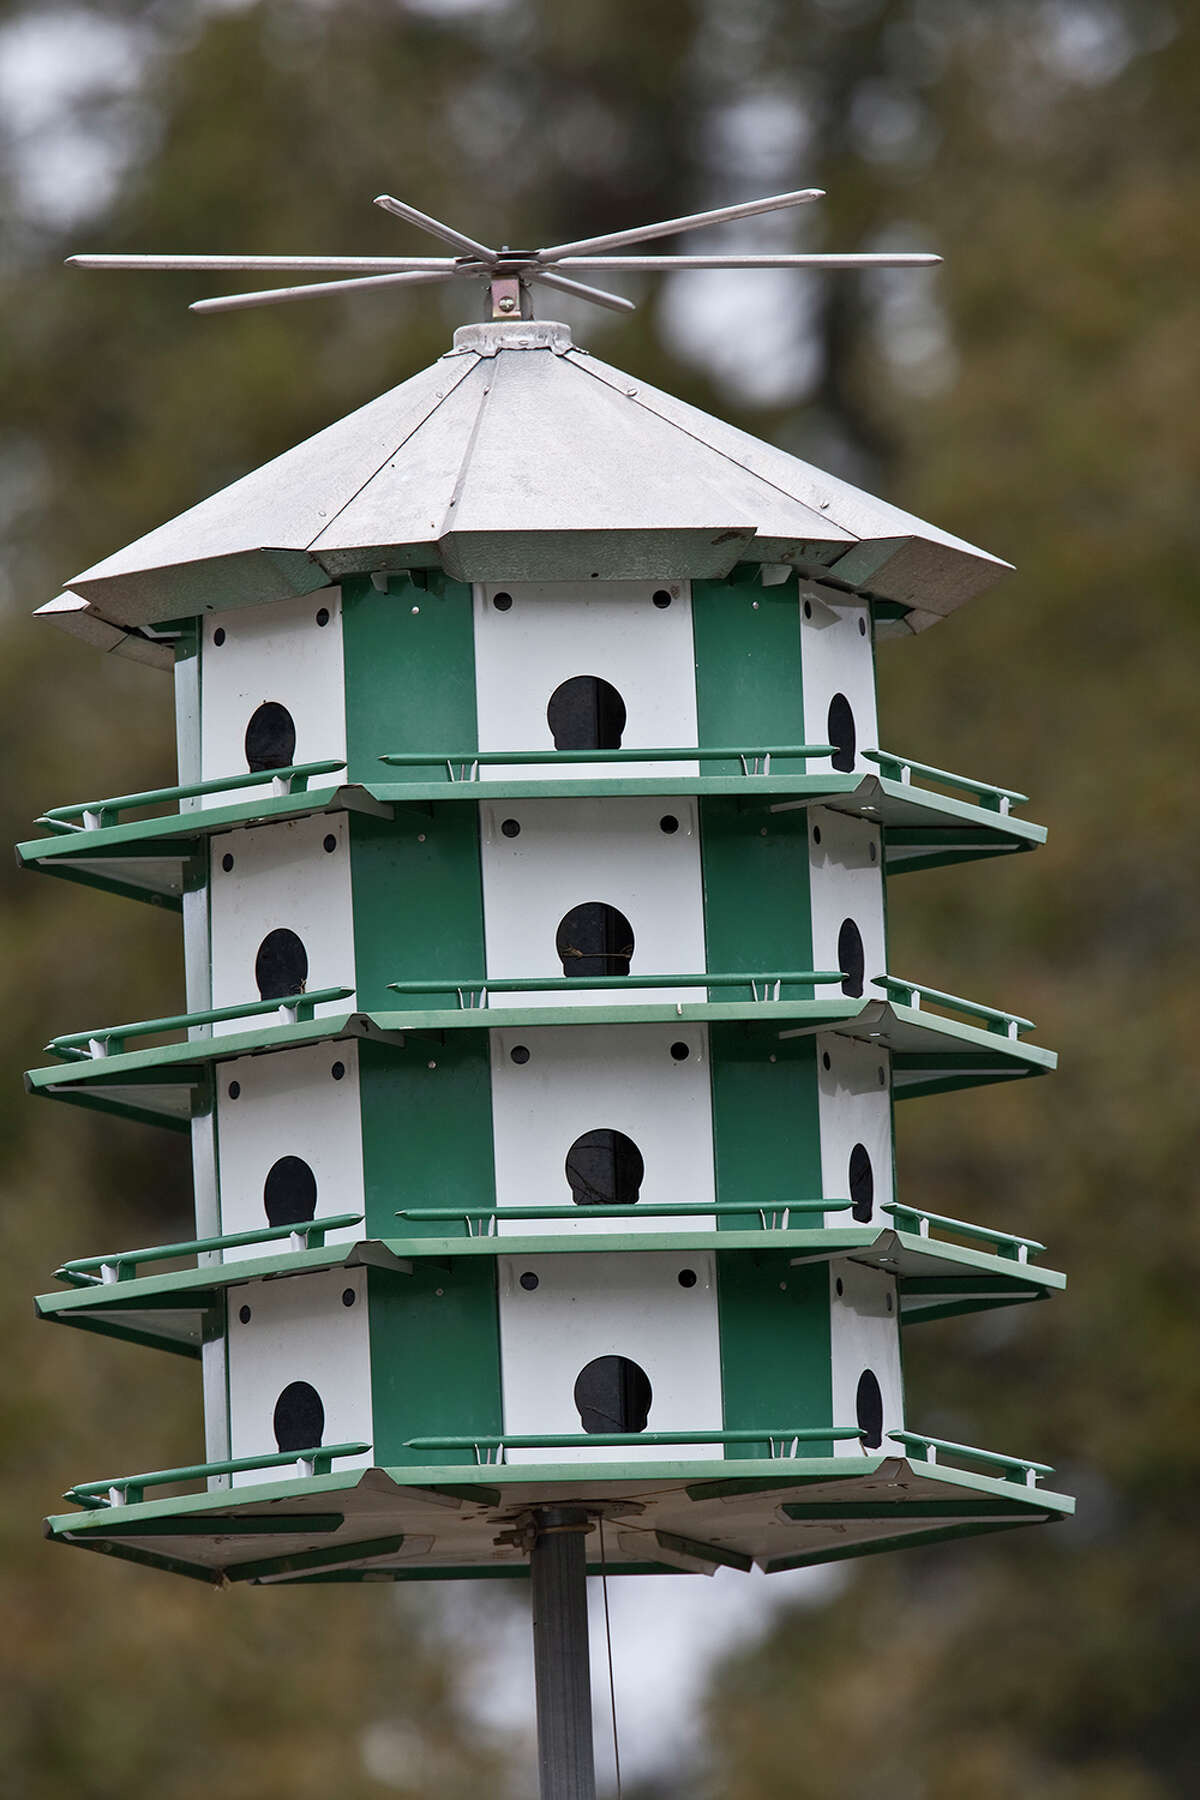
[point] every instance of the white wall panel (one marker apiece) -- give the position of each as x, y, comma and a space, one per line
592, 1305
613, 629
299, 1329
854, 1107
864, 1333
273, 652
846, 882
583, 1078
282, 878
836, 657
572, 851
288, 1103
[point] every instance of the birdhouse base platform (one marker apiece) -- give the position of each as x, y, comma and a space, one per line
450, 1521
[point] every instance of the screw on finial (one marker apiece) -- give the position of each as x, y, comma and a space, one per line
508, 274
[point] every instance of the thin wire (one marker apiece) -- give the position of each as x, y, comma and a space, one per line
612, 1690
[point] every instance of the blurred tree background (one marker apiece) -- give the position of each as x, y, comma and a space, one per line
1036, 395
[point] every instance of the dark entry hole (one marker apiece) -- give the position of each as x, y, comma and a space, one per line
348, 1296
862, 1184
510, 828
219, 635
687, 1278
234, 1089
852, 959
281, 966
299, 1417
329, 844
605, 1168
244, 1314
586, 713
519, 1054
322, 615
290, 1192
668, 823
661, 598
502, 602
270, 738
680, 1051
840, 732
528, 1281
338, 1070
868, 1404
613, 1394
594, 939
227, 862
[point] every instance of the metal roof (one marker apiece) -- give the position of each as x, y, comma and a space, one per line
518, 457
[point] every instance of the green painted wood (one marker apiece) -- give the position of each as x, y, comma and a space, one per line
426, 1131
231, 1525
747, 642
756, 888
418, 901
766, 1136
435, 1358
775, 1357
410, 668
303, 1560
907, 1540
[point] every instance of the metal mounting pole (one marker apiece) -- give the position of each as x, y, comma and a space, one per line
558, 1572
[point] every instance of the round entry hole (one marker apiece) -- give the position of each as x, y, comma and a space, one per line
348, 1296
668, 823
299, 1419
510, 828
868, 1405
594, 939
519, 1054
680, 1051
234, 1089
219, 635
281, 966
688, 1278
290, 1192
329, 844
323, 615
270, 741
661, 598
613, 1393
586, 713
851, 959
605, 1168
338, 1070
244, 1314
502, 602
840, 732
529, 1281
227, 862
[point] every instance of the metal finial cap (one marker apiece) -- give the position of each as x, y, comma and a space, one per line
513, 334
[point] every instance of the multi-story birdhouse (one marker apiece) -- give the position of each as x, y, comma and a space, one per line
541, 1044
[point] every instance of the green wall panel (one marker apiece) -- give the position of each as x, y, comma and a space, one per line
766, 1135
775, 1351
747, 640
756, 888
410, 674
418, 900
435, 1356
427, 1131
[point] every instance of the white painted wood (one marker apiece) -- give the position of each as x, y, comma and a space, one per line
594, 1305
864, 1333
583, 1078
272, 652
837, 658
572, 851
282, 876
555, 630
854, 1106
299, 1330
288, 1104
846, 882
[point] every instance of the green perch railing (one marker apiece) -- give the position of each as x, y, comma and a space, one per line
1015, 1465
123, 1265
469, 762
915, 993
493, 1449
489, 1216
903, 768
1009, 1244
109, 1040
130, 1490
97, 814
474, 994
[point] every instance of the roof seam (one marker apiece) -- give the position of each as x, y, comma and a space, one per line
394, 451
579, 358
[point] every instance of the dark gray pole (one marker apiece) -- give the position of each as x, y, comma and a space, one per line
558, 1572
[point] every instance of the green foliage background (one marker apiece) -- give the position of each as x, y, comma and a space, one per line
1044, 408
